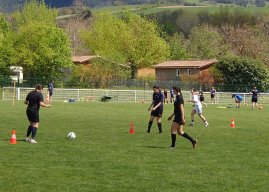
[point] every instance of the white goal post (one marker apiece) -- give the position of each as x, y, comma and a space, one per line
132, 96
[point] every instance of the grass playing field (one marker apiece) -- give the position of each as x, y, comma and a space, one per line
105, 157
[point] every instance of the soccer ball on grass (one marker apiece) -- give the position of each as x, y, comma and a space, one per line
71, 135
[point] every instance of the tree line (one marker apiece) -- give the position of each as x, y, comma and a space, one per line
32, 38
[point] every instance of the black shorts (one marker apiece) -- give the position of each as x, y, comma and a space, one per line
202, 98
33, 115
157, 113
254, 100
212, 96
178, 120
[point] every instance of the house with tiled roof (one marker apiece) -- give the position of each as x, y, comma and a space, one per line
173, 70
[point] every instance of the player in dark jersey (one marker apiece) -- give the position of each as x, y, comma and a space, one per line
179, 119
156, 108
34, 100
254, 98
213, 94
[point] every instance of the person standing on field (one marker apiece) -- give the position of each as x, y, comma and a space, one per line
156, 108
202, 98
254, 98
50, 89
238, 99
197, 108
179, 119
33, 101
213, 95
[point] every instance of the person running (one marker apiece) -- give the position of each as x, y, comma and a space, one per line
238, 99
202, 98
197, 108
171, 96
156, 108
179, 119
165, 96
50, 89
254, 98
34, 100
213, 94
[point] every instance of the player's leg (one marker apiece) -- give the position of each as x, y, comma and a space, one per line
203, 119
192, 117
185, 135
151, 119
174, 128
159, 122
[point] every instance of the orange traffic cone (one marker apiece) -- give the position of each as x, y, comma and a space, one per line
13, 137
131, 131
47, 98
232, 124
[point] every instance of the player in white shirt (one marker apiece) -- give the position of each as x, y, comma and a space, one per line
197, 108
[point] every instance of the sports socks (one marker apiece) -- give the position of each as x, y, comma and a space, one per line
160, 127
29, 131
149, 126
173, 137
34, 130
188, 137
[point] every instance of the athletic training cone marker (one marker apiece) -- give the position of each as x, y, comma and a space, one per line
232, 124
131, 131
13, 139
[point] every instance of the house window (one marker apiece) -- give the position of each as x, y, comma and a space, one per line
177, 72
189, 71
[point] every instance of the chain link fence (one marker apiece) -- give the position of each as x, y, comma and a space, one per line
130, 84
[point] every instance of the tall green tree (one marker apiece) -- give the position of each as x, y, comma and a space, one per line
41, 50
35, 11
130, 40
205, 43
177, 47
38, 45
5, 46
243, 71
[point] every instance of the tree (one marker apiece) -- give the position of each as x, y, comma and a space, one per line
131, 40
177, 47
205, 43
5, 46
242, 71
38, 45
41, 50
248, 41
35, 12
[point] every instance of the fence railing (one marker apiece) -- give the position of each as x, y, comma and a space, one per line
133, 96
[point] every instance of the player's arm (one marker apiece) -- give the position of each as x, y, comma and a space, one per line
26, 102
150, 105
43, 104
158, 105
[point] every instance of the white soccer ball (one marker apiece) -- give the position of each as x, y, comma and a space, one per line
71, 135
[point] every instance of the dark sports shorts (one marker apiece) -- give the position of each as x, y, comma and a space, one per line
255, 100
33, 115
202, 98
157, 113
212, 96
178, 120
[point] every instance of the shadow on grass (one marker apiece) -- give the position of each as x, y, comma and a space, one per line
155, 147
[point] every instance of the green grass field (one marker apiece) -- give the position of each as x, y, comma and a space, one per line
105, 157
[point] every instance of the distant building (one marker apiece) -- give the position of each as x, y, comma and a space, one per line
85, 60
173, 70
16, 73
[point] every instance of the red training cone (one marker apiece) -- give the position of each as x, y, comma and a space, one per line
13, 139
131, 131
232, 124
